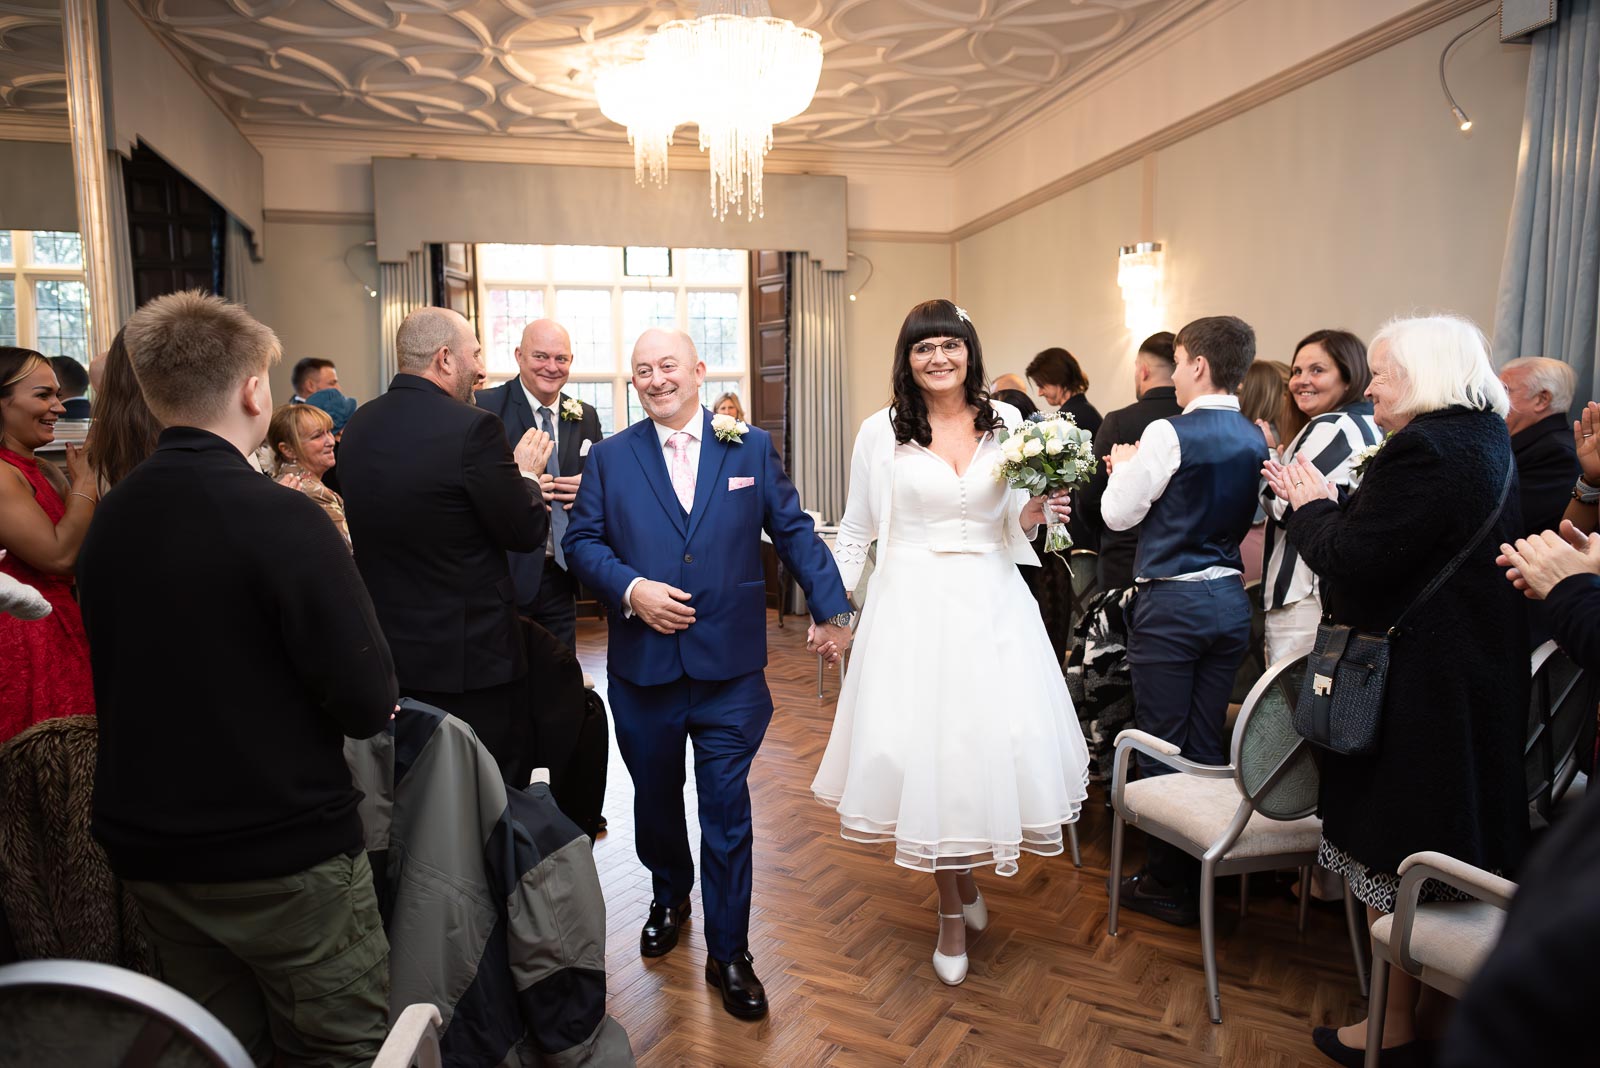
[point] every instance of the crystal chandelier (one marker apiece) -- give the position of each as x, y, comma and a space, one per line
735, 72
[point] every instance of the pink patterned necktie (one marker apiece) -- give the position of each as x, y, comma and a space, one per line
682, 473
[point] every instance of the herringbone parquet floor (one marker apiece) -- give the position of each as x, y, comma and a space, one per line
842, 939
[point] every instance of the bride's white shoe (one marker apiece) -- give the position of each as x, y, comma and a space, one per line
976, 914
951, 970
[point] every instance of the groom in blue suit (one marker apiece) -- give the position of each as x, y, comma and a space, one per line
667, 531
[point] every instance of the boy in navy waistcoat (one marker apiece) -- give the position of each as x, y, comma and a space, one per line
1192, 480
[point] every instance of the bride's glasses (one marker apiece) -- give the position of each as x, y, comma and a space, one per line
952, 348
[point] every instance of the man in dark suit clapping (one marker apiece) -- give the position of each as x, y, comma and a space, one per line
435, 499
546, 591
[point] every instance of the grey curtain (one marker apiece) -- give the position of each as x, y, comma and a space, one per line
1550, 277
817, 383
402, 288
237, 263
121, 242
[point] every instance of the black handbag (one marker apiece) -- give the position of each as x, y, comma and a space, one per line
1340, 707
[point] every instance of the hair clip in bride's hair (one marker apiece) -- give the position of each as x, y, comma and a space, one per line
962, 312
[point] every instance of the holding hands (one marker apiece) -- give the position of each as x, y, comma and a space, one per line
1535, 565
1299, 482
829, 640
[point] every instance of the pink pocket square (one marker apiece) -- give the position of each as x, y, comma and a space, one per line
740, 483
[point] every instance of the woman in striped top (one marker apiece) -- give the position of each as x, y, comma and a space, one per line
1327, 383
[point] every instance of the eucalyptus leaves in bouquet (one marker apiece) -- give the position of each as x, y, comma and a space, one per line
1049, 452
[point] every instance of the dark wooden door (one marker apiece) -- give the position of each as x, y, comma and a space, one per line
455, 279
769, 346
769, 376
174, 230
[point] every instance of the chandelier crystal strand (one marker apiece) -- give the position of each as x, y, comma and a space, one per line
625, 97
735, 71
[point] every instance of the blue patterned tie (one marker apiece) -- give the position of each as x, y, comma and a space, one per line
558, 513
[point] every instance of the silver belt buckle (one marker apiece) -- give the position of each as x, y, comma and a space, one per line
1321, 685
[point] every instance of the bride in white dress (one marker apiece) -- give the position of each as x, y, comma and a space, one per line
954, 736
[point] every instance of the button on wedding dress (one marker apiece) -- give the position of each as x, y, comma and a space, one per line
954, 737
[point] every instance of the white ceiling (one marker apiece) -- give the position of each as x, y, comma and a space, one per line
901, 78
32, 73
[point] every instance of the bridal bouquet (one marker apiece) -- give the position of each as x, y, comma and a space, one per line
1050, 452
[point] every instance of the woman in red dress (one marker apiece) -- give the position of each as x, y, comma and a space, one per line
44, 663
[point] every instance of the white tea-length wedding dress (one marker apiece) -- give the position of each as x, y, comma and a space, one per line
954, 736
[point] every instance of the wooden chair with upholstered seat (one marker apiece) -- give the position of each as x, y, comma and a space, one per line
1254, 813
1441, 943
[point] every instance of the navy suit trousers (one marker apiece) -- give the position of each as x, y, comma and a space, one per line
1185, 643
725, 721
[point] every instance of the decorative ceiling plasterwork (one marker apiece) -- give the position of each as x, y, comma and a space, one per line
33, 74
905, 79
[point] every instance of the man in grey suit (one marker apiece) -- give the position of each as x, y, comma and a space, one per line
546, 591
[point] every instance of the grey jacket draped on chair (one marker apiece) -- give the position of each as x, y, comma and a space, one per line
490, 898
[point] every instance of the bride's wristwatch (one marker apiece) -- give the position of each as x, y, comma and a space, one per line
843, 619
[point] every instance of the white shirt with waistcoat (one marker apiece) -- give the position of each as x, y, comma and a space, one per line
1138, 483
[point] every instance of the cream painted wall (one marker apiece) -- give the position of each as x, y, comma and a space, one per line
1348, 201
304, 293
904, 274
1049, 277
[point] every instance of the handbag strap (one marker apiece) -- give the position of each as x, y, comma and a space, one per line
1460, 557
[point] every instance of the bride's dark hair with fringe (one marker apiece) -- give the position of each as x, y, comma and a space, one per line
936, 318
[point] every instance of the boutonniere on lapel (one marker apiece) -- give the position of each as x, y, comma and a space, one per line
729, 429
1364, 458
572, 410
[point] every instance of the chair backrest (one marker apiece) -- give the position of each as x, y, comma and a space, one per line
1274, 767
1085, 567
57, 889
1561, 705
69, 1013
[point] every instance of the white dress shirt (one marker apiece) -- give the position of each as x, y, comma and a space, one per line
1136, 484
555, 436
663, 432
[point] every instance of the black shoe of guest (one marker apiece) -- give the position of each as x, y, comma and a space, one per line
742, 993
1144, 895
1414, 1054
660, 931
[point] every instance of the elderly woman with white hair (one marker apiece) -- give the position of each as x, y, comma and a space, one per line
1447, 771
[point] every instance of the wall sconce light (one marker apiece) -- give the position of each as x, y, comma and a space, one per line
1139, 271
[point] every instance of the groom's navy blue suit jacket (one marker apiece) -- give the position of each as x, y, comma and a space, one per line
627, 523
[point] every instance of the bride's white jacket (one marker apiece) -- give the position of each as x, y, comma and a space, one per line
866, 511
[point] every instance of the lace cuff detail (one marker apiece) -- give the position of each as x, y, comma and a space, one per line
851, 556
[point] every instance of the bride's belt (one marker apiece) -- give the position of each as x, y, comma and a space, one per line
945, 545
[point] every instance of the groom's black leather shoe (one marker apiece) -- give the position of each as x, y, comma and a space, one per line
742, 993
660, 931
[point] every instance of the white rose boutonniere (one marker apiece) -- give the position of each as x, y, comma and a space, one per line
1364, 458
729, 429
572, 410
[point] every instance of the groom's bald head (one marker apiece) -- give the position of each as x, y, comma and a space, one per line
667, 373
